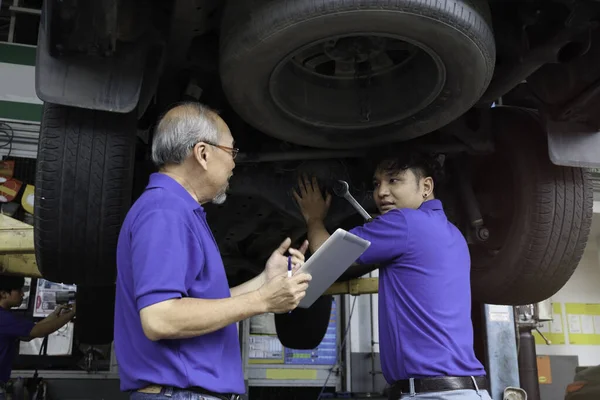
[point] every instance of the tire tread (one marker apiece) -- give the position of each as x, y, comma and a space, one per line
83, 192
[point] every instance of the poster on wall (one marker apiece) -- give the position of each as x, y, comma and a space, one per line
583, 320
45, 296
26, 292
553, 330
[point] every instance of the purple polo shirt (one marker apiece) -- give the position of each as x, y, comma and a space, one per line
167, 251
12, 327
425, 326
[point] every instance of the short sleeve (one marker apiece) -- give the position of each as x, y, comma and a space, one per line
160, 244
15, 326
388, 235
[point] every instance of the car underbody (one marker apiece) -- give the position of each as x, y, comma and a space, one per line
503, 92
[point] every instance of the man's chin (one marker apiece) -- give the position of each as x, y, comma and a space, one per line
219, 199
385, 209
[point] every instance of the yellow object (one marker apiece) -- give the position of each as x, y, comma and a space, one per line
288, 373
19, 264
553, 330
583, 320
355, 287
17, 256
15, 236
27, 198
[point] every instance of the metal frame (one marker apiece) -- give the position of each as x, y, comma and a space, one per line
501, 349
16, 9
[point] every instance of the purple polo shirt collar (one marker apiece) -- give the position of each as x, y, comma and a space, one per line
160, 180
433, 205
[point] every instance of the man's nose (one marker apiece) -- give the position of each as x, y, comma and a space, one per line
382, 191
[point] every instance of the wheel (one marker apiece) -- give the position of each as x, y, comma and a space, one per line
82, 193
538, 215
353, 73
304, 328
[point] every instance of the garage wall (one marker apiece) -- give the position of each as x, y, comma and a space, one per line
20, 108
18, 99
583, 287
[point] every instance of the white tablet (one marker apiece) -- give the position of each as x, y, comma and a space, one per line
329, 262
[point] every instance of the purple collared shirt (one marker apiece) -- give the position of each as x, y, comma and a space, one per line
425, 327
167, 251
12, 327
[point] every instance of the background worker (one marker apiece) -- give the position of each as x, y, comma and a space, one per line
425, 327
14, 327
175, 315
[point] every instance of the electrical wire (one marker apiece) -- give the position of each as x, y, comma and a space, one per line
8, 131
344, 337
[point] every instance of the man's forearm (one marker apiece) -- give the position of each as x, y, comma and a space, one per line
317, 235
190, 317
248, 286
50, 324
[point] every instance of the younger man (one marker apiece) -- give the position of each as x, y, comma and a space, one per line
14, 327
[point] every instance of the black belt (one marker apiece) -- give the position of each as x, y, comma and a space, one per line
437, 384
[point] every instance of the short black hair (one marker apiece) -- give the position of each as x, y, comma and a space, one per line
8, 283
422, 164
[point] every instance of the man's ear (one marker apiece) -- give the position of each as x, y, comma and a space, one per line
201, 154
428, 186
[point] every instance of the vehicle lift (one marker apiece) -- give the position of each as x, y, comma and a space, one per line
17, 257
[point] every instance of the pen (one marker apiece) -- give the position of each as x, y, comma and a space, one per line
289, 271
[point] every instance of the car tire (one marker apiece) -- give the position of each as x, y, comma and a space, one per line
538, 215
436, 60
82, 193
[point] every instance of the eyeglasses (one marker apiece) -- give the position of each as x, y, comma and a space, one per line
231, 150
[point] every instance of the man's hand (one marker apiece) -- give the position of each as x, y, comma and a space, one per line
282, 294
60, 309
277, 263
64, 309
310, 200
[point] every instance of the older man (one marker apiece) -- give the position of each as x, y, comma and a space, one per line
175, 315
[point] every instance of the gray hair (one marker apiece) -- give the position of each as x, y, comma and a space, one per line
180, 129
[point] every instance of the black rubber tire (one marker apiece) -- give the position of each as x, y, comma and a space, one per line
257, 34
550, 221
82, 193
304, 328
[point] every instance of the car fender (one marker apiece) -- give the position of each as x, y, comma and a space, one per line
99, 83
